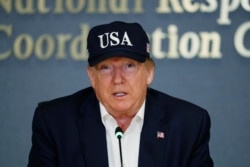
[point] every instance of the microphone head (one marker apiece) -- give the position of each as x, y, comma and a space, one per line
118, 132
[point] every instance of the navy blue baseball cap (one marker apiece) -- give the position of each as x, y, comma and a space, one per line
117, 39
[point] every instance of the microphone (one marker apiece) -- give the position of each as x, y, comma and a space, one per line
119, 134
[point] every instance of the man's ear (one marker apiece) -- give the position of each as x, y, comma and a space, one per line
150, 75
91, 76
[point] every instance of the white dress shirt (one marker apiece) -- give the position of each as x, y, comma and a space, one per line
130, 141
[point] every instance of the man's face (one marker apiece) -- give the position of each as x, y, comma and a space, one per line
121, 84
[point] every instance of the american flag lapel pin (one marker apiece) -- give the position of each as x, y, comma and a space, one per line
160, 135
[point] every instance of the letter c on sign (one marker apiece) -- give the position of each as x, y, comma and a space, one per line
239, 38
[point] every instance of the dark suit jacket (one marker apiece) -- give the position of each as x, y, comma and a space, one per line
68, 132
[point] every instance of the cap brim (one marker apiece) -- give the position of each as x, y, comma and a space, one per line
118, 53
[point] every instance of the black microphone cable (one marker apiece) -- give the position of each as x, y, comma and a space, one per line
119, 134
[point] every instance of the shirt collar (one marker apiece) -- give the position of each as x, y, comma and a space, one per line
105, 115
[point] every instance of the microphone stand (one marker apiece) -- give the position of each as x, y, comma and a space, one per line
119, 134
120, 148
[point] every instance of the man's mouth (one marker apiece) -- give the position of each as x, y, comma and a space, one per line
119, 94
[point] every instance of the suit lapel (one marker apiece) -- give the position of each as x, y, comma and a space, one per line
154, 136
92, 134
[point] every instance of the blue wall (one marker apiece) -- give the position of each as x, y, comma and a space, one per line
202, 54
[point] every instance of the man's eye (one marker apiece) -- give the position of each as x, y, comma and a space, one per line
130, 65
104, 67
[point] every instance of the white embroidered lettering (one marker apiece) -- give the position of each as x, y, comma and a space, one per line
102, 42
126, 39
113, 39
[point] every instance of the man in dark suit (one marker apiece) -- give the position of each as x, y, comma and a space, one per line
156, 130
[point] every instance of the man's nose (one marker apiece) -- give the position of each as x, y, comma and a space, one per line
117, 76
